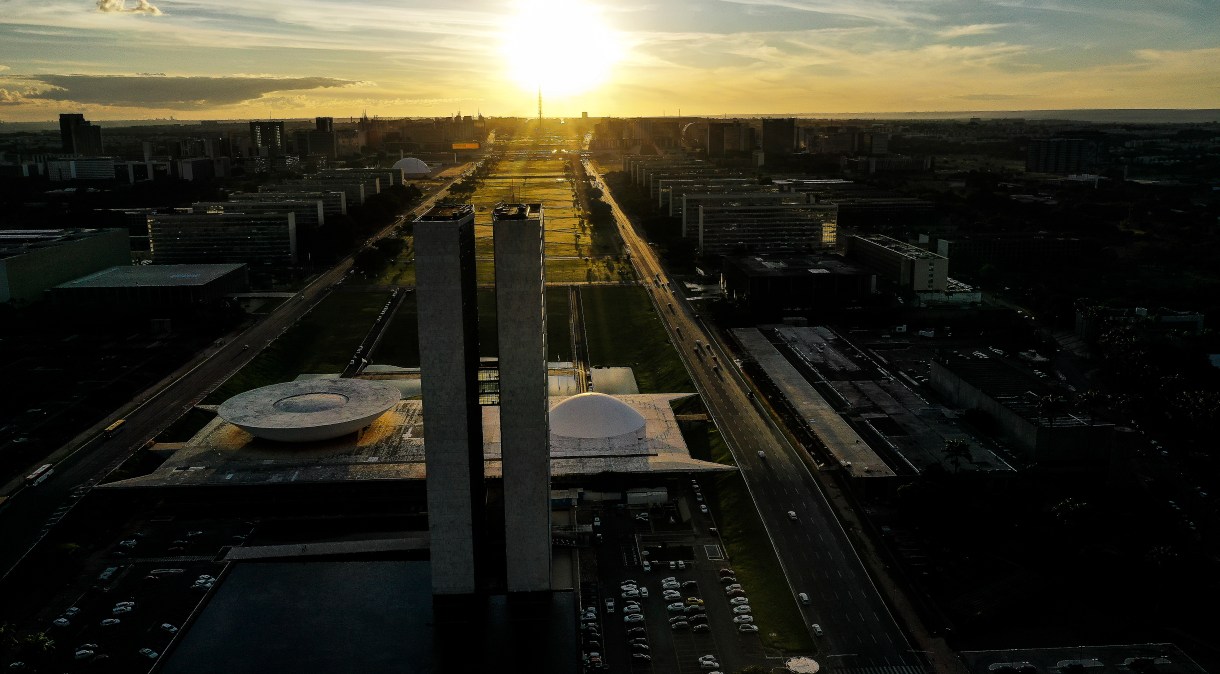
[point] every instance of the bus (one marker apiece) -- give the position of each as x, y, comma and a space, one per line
113, 428
39, 475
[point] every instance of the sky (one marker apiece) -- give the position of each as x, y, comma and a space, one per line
232, 59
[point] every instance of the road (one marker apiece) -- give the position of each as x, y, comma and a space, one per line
814, 551
30, 512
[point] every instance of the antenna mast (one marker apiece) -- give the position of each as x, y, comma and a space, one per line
539, 107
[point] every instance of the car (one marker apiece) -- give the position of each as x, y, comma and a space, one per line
671, 585
638, 641
129, 543
677, 618
71, 611
727, 572
609, 606
83, 654
690, 585
736, 593
633, 618
641, 648
88, 647
61, 622
681, 565
728, 580
803, 597
593, 644
673, 565
792, 515
747, 628
694, 601
701, 628
738, 601
699, 498
628, 586
642, 657
636, 630
120, 610
643, 593
817, 630
743, 619
131, 604
696, 619
679, 626
703, 508
675, 607
111, 622
733, 586
641, 517
694, 609
631, 602
671, 594
669, 579
631, 594
631, 609
149, 653
646, 565
744, 608
597, 521
633, 583
707, 658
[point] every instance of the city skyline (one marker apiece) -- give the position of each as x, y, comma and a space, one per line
203, 59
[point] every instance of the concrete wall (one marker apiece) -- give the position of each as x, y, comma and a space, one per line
24, 277
449, 359
524, 412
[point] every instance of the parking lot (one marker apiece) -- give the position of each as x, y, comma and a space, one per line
137, 595
675, 549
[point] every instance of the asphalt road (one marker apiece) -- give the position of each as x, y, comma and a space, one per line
814, 551
30, 512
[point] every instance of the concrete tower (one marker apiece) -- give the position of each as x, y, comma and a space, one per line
524, 415
449, 367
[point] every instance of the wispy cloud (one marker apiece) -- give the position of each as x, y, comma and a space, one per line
972, 29
120, 6
173, 93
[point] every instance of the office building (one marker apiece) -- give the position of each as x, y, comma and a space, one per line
308, 212
321, 141
334, 202
517, 230
759, 195
79, 136
33, 260
252, 238
386, 177
787, 228
1062, 156
910, 267
778, 136
771, 288
357, 188
140, 289
96, 168
267, 138
449, 362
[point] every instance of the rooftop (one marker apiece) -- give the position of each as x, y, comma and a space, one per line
793, 265
901, 247
516, 211
154, 275
18, 241
446, 212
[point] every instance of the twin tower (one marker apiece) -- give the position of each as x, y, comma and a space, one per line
449, 365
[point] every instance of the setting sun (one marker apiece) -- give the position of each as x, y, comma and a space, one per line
563, 47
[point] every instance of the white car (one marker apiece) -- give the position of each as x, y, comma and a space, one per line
738, 601
633, 618
631, 594
792, 515
669, 579
748, 628
744, 608
631, 609
734, 586
671, 586
803, 597
643, 593
707, 658
676, 607
817, 630
703, 508
628, 586
166, 627
671, 594
149, 653
646, 565
743, 619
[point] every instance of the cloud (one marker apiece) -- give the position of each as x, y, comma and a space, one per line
972, 29
173, 93
992, 97
120, 6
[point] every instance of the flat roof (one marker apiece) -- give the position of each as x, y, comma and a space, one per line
446, 212
154, 275
516, 211
793, 265
18, 241
901, 247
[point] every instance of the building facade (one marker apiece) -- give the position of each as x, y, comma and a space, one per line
910, 267
268, 239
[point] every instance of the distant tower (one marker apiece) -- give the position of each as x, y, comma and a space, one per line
517, 230
449, 368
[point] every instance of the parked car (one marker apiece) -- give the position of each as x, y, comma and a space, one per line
743, 619
738, 601
748, 628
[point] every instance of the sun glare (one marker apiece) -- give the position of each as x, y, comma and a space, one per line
564, 47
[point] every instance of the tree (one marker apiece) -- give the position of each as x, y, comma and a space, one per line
956, 451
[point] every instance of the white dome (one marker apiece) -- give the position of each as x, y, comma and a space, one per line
595, 415
412, 166
309, 409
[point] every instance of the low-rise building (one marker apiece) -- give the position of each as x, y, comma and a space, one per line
252, 238
33, 260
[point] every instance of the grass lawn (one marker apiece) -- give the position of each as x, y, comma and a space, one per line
747, 546
558, 327
323, 341
400, 344
623, 331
